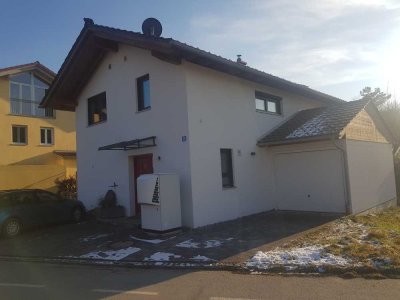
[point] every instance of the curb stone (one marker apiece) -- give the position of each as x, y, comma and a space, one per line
127, 264
189, 265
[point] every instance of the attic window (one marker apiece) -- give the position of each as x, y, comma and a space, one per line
97, 109
268, 103
26, 92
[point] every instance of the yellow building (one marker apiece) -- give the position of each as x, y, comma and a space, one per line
37, 145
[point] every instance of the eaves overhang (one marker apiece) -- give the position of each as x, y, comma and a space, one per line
298, 140
95, 41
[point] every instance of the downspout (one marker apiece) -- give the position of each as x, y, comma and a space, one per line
346, 175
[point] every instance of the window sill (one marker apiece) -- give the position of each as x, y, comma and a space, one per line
97, 123
46, 145
143, 110
269, 113
228, 188
18, 144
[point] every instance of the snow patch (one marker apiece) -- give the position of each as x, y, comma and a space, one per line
188, 244
205, 244
212, 244
161, 256
201, 258
153, 241
111, 254
93, 237
314, 255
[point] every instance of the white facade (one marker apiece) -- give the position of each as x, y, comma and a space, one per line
222, 114
167, 120
371, 174
195, 111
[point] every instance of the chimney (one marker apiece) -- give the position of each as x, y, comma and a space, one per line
240, 61
88, 21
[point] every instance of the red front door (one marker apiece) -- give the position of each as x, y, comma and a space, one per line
142, 164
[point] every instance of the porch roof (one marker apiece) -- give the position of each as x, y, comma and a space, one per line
132, 144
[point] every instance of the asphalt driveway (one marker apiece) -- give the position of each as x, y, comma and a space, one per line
228, 242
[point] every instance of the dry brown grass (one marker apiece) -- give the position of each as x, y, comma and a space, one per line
371, 239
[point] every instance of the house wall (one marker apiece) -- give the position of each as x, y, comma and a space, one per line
33, 154
371, 174
31, 177
167, 120
222, 114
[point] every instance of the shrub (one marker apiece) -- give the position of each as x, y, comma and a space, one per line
67, 188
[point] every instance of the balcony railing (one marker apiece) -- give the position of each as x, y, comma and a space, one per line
29, 108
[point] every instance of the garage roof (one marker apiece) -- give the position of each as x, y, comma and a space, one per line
314, 124
95, 41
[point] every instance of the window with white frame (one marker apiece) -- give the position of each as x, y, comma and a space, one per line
46, 136
268, 103
26, 93
19, 134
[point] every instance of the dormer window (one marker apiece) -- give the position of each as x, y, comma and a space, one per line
268, 103
26, 93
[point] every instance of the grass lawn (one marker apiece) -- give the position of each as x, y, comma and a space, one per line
357, 242
370, 240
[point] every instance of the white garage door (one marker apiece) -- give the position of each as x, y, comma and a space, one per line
311, 181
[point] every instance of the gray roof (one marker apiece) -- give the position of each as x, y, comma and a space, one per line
95, 41
315, 123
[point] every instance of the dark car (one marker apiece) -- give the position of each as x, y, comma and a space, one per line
20, 209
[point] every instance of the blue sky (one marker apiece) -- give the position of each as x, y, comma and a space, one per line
334, 46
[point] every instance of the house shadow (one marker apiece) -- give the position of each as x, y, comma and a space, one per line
48, 158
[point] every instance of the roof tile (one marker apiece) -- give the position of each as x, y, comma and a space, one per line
315, 122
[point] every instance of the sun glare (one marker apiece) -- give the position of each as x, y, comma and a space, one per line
390, 73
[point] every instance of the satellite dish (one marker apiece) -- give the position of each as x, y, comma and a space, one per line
151, 27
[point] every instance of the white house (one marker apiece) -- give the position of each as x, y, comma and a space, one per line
242, 141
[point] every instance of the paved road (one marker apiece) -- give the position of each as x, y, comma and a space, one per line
45, 281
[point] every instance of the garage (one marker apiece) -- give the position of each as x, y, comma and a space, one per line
311, 181
336, 159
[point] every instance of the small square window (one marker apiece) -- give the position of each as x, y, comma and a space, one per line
19, 134
97, 109
46, 136
268, 103
226, 168
271, 106
143, 92
260, 104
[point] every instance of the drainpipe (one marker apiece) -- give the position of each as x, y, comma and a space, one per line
346, 175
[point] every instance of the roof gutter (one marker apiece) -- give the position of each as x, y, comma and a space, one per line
297, 140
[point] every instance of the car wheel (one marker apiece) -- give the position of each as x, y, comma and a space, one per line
12, 227
77, 214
